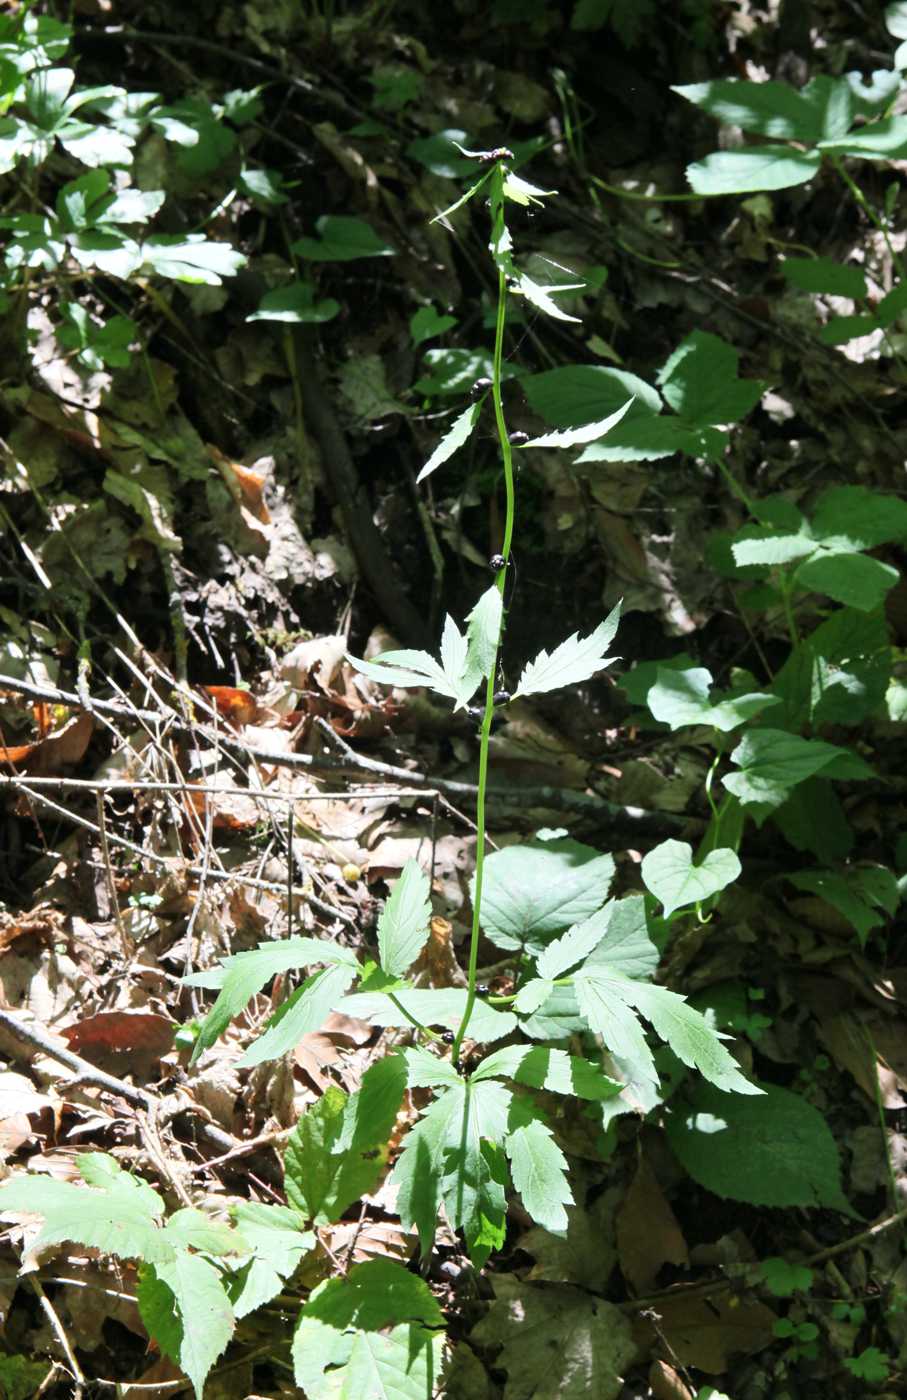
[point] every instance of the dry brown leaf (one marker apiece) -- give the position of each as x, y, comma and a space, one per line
705, 1332
850, 1045
666, 1384
315, 662
110, 1036
648, 1234
21, 1108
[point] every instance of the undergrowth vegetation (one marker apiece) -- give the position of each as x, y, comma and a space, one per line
487, 1092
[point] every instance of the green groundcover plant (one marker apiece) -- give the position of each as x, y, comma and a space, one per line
583, 960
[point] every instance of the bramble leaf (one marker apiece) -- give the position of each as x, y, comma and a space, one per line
457, 434
539, 1171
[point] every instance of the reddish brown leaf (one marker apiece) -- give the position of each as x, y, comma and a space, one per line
121, 1032
648, 1234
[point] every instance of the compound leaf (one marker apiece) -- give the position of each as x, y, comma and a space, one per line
539, 1171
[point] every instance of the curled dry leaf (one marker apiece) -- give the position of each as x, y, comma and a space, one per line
648, 1234
314, 662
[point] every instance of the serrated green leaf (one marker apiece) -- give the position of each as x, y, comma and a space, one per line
539, 1171
753, 169
342, 238
533, 892
418, 1170
277, 1242
681, 697
243, 975
575, 395
403, 923
370, 1336
338, 1149
304, 1011
603, 1004
532, 995
541, 1067
542, 297
670, 874
186, 1310
856, 580
440, 1006
574, 946
700, 382
774, 1150
119, 1218
574, 661
457, 434
427, 1071
192, 1229
589, 432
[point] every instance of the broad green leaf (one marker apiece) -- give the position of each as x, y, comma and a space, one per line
541, 1067
441, 1006
575, 395
774, 1150
679, 698
191, 257
880, 140
484, 630
457, 434
403, 923
771, 763
200, 1322
856, 580
539, 1171
341, 239
278, 1242
370, 1336
699, 381
645, 440
120, 1218
533, 892
771, 546
589, 432
824, 276
304, 1011
755, 168
840, 329
669, 873
244, 974
856, 517
822, 109
574, 661
296, 304
338, 1149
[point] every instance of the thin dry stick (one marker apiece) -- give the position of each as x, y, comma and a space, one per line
56, 1327
125, 942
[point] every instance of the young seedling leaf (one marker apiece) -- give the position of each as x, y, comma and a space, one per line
574, 661
403, 923
670, 874
457, 434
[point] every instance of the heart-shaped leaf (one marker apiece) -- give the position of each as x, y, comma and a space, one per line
668, 872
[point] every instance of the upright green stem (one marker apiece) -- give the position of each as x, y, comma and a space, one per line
488, 713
